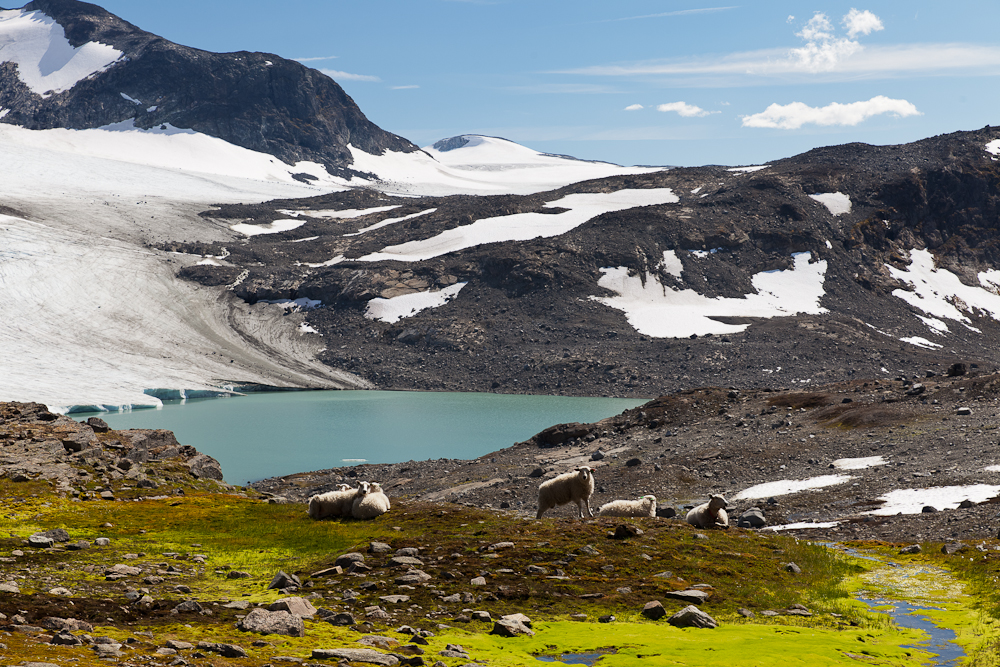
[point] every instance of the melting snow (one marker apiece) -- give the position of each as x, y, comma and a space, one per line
938, 292
672, 264
664, 312
935, 324
859, 464
46, 62
922, 342
275, 227
747, 170
802, 525
787, 486
912, 501
345, 214
993, 147
837, 202
524, 226
130, 99
394, 309
992, 468
294, 305
391, 221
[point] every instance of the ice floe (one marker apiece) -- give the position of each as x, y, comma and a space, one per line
524, 226
656, 310
836, 202
912, 501
859, 463
396, 308
46, 62
786, 486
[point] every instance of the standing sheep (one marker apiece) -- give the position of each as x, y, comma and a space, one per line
332, 503
576, 486
645, 506
710, 515
370, 502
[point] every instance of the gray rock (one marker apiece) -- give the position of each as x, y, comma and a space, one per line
178, 645
521, 618
341, 619
64, 638
237, 604
597, 456
501, 545
692, 617
966, 504
654, 610
394, 599
752, 518
9, 587
478, 581
379, 548
266, 622
366, 655
405, 561
78, 546
378, 641
188, 606
40, 541
793, 568
928, 509
745, 613
346, 560
56, 535
690, 596
588, 550
293, 605
102, 542
98, 425
408, 551
483, 616
204, 466
912, 549
536, 569
953, 548
225, 650
412, 577
284, 580
237, 574
666, 512
509, 627
963, 411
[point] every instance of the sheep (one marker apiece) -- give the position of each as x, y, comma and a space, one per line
645, 506
332, 503
370, 502
710, 515
576, 486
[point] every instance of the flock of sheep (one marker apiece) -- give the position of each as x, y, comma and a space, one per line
369, 501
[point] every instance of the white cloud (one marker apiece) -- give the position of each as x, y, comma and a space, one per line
823, 49
347, 76
684, 109
634, 107
795, 115
861, 23
410, 87
312, 60
679, 12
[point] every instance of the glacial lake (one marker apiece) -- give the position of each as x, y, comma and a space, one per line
272, 434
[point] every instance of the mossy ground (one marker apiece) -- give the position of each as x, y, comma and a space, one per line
170, 537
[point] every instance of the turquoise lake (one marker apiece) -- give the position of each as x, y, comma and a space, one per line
273, 434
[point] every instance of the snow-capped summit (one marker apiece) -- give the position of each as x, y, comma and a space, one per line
475, 151
69, 64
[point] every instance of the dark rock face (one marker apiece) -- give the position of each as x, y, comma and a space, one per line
258, 101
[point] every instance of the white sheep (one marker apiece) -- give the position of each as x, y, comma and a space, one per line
576, 486
710, 515
332, 503
645, 506
370, 502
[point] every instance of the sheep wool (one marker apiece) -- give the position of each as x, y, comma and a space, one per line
576, 486
332, 503
710, 515
370, 502
645, 506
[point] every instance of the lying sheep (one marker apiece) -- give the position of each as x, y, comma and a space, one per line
332, 503
576, 486
370, 502
645, 506
710, 515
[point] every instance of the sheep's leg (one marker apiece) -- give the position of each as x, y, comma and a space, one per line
586, 503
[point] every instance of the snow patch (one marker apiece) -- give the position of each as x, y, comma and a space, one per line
295, 305
802, 525
656, 310
919, 341
524, 226
912, 501
305, 328
939, 293
702, 254
391, 221
330, 262
346, 214
130, 99
992, 469
993, 147
46, 62
836, 202
672, 264
936, 325
275, 227
859, 463
396, 308
786, 486
748, 170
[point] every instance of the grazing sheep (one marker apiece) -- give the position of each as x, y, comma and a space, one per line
576, 486
710, 515
645, 506
370, 502
332, 503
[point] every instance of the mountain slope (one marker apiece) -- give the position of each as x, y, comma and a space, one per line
854, 259
99, 70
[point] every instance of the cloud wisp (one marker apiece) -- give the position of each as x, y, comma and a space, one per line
315, 59
795, 115
684, 109
337, 75
409, 87
679, 12
634, 107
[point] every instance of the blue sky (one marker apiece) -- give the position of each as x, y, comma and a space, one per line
718, 82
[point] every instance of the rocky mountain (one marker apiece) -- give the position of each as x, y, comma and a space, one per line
846, 261
70, 64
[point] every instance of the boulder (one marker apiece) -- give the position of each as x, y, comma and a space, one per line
412, 577
284, 580
56, 535
225, 650
654, 610
692, 617
366, 655
752, 518
204, 466
912, 549
510, 627
266, 622
690, 596
293, 605
348, 559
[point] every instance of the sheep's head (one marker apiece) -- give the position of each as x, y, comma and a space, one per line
717, 503
375, 487
649, 497
343, 487
585, 472
364, 488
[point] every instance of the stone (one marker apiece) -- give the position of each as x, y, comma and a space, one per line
128, 570
692, 617
284, 580
508, 627
654, 610
394, 599
412, 577
378, 641
405, 561
225, 650
912, 549
953, 548
64, 638
237, 604
793, 568
501, 545
521, 618
407, 551
98, 425
666, 512
40, 541
536, 569
963, 411
346, 560
61, 592
9, 587
690, 596
633, 462
365, 655
482, 616
204, 466
966, 504
294, 605
928, 509
608, 618
916, 390
752, 518
56, 535
102, 542
588, 550
78, 546
624, 532
264, 622
536, 473
597, 456
187, 607
745, 613
379, 548
341, 619
178, 645
478, 581
237, 574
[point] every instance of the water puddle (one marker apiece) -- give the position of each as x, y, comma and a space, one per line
907, 615
575, 658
